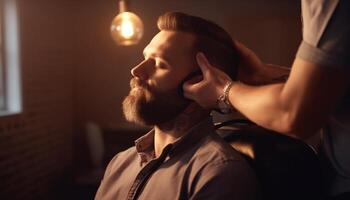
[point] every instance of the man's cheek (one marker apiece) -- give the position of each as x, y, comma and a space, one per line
166, 83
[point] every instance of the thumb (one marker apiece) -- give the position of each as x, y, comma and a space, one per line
203, 63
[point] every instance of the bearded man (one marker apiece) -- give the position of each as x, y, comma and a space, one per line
182, 157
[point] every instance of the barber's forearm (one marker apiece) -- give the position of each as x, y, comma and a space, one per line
263, 104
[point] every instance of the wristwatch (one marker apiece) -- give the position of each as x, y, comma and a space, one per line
223, 102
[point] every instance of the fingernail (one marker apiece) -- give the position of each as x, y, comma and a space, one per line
201, 54
200, 58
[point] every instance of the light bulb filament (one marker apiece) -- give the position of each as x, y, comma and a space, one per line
127, 29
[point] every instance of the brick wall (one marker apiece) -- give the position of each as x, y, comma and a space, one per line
36, 146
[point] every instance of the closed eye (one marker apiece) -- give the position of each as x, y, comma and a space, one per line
161, 64
159, 60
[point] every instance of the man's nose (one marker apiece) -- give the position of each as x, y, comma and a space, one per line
140, 71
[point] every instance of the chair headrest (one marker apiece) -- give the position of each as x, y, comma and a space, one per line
284, 165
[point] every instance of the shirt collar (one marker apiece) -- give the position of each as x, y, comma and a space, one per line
145, 147
145, 144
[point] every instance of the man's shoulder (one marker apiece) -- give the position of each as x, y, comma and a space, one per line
214, 149
213, 153
216, 162
129, 151
127, 156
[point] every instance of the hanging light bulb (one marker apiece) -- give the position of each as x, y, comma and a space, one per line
127, 27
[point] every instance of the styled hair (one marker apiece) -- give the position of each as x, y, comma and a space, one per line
210, 39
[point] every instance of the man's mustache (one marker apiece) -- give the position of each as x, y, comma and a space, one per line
135, 82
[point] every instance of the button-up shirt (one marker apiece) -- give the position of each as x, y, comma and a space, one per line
199, 165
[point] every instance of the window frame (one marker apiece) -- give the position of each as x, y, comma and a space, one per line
10, 96
2, 82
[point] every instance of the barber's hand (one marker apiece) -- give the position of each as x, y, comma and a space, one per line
205, 90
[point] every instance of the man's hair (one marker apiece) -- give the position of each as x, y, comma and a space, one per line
211, 39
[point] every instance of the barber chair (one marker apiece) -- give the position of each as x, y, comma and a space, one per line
286, 168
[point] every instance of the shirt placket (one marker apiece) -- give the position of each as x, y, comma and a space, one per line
145, 174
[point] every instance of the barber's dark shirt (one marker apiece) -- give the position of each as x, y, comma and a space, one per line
199, 165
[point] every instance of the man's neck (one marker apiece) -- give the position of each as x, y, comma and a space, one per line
168, 132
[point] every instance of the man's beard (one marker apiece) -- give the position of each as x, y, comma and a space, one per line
146, 106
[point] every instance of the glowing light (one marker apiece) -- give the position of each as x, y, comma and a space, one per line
127, 28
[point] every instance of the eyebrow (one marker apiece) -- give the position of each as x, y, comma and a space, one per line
161, 56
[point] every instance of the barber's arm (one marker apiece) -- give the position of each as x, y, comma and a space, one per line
297, 108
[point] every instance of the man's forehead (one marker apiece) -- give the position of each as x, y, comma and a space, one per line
170, 42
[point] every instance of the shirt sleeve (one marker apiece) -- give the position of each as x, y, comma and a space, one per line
228, 180
326, 33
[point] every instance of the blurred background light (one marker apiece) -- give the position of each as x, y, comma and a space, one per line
127, 27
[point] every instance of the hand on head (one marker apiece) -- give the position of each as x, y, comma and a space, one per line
206, 89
